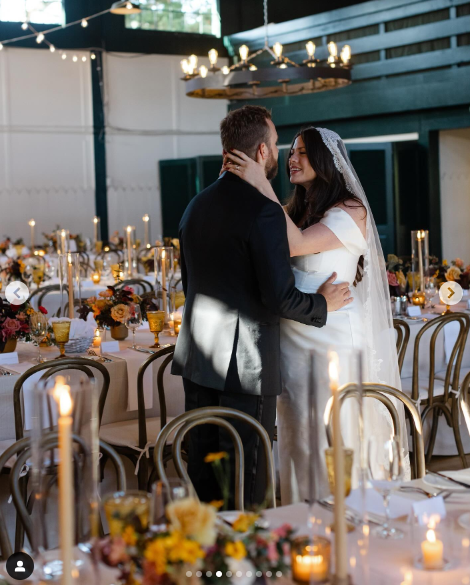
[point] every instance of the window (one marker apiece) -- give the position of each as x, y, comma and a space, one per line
34, 11
192, 16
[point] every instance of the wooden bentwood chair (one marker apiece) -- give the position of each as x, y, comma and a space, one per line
403, 337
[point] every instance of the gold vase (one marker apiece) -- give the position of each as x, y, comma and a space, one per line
156, 321
61, 333
119, 332
10, 345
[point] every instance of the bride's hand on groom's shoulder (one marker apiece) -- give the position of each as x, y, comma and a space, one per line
251, 171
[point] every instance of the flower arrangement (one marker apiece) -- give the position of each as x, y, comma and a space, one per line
5, 245
113, 306
455, 271
14, 322
51, 240
194, 544
14, 269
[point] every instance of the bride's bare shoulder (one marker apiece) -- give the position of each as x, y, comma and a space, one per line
357, 211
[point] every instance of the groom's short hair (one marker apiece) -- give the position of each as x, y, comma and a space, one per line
245, 129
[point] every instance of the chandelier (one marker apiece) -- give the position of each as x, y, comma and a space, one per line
244, 81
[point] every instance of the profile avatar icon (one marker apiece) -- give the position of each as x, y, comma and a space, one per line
20, 566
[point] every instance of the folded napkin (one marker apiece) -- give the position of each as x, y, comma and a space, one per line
134, 360
399, 506
78, 327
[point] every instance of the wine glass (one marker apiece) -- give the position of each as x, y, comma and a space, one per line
163, 493
386, 474
430, 290
38, 275
38, 324
134, 321
156, 321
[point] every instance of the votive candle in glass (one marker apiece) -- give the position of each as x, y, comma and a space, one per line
310, 559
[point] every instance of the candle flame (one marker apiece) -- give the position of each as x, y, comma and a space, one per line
32, 223
309, 559
97, 333
62, 233
163, 254
69, 258
95, 219
431, 536
129, 229
146, 217
61, 393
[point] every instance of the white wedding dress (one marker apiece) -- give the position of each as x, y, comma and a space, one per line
344, 328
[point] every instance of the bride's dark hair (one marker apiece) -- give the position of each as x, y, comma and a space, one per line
307, 207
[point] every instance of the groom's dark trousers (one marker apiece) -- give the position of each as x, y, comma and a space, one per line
238, 283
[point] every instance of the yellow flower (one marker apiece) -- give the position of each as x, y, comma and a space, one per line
22, 266
120, 312
215, 456
136, 299
216, 504
156, 554
244, 522
444, 263
129, 536
453, 273
30, 311
193, 519
184, 550
401, 278
236, 550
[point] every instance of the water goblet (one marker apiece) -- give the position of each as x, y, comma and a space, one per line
126, 509
134, 321
430, 290
163, 493
156, 321
38, 324
61, 333
38, 275
386, 474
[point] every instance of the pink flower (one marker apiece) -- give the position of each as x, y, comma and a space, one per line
10, 327
117, 552
459, 262
283, 530
392, 279
272, 553
129, 289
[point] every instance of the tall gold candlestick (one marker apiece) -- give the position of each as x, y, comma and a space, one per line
129, 251
341, 560
32, 223
70, 283
66, 492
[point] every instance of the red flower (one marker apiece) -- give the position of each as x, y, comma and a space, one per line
43, 310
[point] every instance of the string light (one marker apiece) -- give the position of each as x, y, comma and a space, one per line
84, 23
75, 58
93, 56
84, 58
64, 56
39, 38
52, 48
24, 26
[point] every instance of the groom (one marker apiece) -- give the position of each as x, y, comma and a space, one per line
236, 274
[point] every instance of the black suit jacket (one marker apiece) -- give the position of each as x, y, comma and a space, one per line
238, 282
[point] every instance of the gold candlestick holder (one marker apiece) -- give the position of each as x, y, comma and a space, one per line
156, 321
61, 333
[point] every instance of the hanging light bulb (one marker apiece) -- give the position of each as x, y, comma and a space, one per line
39, 38
333, 49
213, 55
75, 58
52, 48
277, 48
84, 23
64, 56
185, 66
225, 70
93, 56
310, 46
244, 51
84, 58
193, 62
346, 54
203, 71
24, 26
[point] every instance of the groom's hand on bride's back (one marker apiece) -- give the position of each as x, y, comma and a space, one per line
336, 295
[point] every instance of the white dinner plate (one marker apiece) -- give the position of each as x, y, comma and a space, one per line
443, 484
464, 521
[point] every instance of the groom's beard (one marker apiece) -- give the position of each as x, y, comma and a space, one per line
271, 167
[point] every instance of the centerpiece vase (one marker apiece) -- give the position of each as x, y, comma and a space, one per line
119, 332
9, 345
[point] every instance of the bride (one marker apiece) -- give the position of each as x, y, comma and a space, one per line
330, 227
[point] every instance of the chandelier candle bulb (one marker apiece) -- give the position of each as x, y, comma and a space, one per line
32, 223
185, 66
433, 552
146, 220
346, 54
39, 38
203, 71
277, 48
310, 46
213, 56
193, 62
333, 49
341, 560
52, 48
225, 70
66, 492
244, 51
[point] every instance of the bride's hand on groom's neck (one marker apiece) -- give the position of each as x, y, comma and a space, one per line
251, 171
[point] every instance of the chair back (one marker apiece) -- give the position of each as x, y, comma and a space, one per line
85, 265
51, 288
452, 375
383, 393
464, 400
113, 255
216, 416
164, 351
22, 449
52, 368
403, 337
135, 282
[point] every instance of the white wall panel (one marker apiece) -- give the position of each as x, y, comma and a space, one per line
454, 155
149, 118
46, 142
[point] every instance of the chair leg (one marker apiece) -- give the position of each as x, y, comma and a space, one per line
19, 532
432, 440
456, 429
143, 474
103, 461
